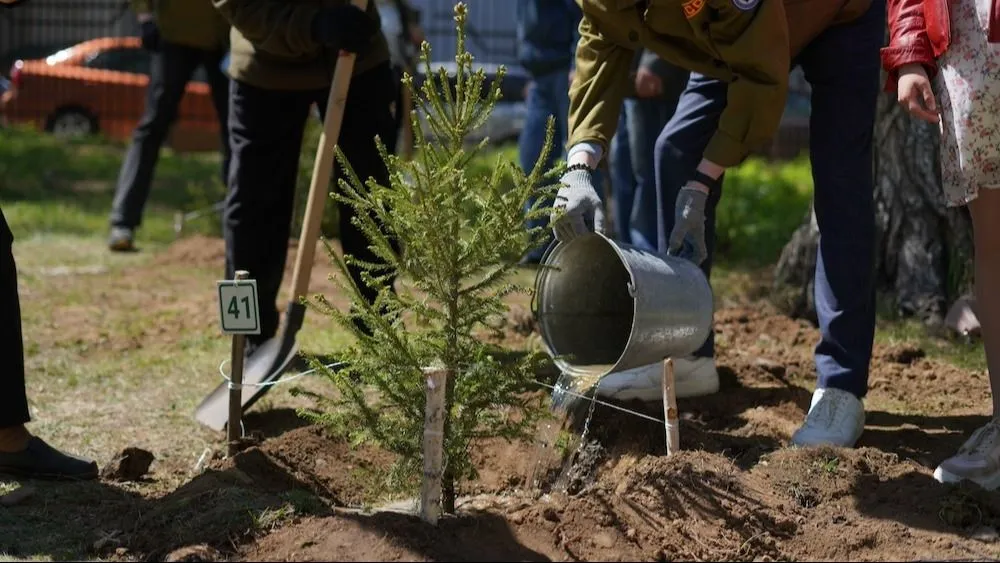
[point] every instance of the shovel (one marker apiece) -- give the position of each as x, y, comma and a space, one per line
272, 358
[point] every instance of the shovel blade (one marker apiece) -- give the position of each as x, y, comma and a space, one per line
266, 364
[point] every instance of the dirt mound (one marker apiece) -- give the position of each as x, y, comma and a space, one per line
307, 458
389, 536
868, 504
194, 251
131, 464
693, 505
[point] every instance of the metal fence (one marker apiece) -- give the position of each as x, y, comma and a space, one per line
491, 28
41, 27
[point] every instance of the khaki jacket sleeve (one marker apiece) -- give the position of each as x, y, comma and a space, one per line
600, 84
275, 26
754, 45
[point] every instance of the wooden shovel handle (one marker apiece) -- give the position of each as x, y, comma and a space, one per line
323, 169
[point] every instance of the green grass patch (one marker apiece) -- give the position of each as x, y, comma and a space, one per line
762, 205
50, 185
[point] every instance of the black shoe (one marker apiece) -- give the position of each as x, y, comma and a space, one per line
41, 461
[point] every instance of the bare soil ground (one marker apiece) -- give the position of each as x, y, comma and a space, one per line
736, 492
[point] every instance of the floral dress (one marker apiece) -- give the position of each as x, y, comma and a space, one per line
968, 87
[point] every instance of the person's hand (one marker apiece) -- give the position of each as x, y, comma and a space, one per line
150, 35
647, 83
914, 92
689, 225
582, 210
10, 3
345, 27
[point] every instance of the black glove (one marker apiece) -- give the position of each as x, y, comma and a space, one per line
345, 27
150, 36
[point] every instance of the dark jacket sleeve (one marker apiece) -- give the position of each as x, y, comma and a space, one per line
278, 27
908, 40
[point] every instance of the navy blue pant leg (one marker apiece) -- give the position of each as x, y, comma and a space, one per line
622, 179
678, 151
842, 66
646, 119
548, 96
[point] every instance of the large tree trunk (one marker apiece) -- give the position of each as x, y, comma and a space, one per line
924, 249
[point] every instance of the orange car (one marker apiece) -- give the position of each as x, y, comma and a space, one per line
99, 87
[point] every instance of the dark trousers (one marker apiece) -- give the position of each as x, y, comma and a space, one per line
547, 97
265, 129
171, 69
13, 400
633, 185
842, 66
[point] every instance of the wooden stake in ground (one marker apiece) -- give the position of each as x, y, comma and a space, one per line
235, 426
670, 421
430, 488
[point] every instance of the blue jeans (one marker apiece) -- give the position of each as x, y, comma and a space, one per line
622, 180
633, 169
548, 95
842, 66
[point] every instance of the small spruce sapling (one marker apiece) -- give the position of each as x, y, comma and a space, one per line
458, 233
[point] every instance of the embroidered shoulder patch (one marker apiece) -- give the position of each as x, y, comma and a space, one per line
693, 7
745, 5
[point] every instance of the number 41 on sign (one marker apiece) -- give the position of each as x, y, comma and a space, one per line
238, 308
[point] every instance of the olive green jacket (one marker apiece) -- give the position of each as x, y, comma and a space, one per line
194, 23
272, 44
747, 43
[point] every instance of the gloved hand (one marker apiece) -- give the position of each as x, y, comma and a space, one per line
584, 212
346, 28
150, 36
689, 225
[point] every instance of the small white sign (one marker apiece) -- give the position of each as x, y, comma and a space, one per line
238, 308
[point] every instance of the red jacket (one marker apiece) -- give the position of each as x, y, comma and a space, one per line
920, 32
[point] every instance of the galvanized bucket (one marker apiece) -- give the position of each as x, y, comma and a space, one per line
605, 307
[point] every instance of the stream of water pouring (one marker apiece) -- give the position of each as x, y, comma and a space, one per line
565, 397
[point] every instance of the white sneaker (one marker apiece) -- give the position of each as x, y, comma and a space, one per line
693, 377
835, 418
978, 460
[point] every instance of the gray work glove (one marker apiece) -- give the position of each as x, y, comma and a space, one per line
689, 226
584, 212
